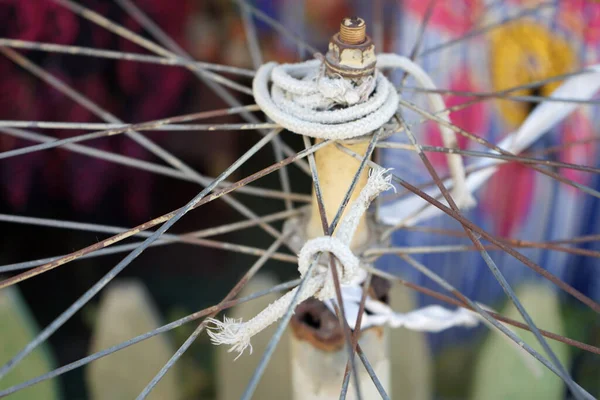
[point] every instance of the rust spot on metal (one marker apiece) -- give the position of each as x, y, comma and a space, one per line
353, 30
378, 331
351, 51
316, 324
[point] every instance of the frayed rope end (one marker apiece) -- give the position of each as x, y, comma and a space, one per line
381, 179
229, 331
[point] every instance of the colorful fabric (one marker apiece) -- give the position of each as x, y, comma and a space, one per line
517, 202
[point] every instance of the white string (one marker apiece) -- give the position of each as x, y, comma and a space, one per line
320, 284
427, 319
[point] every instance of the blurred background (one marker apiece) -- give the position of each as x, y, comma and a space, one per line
555, 38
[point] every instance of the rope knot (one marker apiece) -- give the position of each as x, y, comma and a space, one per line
304, 101
348, 267
320, 283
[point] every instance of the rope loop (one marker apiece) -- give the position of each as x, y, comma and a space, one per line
348, 267
304, 100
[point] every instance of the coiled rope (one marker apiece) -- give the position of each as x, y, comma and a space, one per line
305, 101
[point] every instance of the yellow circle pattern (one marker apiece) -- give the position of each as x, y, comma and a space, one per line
523, 53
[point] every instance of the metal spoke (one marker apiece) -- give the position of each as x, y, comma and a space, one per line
500, 95
257, 61
420, 36
87, 136
548, 245
163, 127
485, 235
156, 221
189, 238
79, 303
251, 35
481, 154
356, 333
491, 146
464, 248
166, 328
361, 167
277, 26
236, 226
563, 146
487, 28
118, 55
378, 25
451, 301
247, 276
371, 373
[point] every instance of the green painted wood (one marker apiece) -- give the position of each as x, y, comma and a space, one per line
504, 372
17, 328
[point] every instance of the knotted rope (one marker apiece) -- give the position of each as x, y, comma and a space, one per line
320, 283
427, 319
306, 101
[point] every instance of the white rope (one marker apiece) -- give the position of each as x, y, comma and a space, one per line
426, 319
320, 284
306, 101
303, 105
461, 194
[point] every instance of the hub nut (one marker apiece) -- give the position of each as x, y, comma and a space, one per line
351, 52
